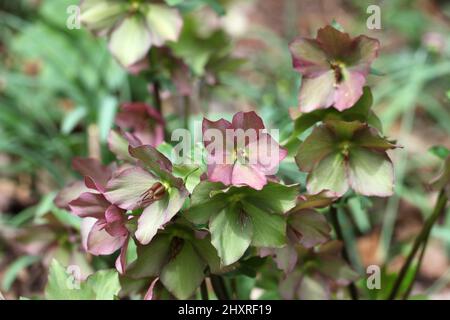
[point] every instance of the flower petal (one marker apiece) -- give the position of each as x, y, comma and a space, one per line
130, 40
329, 174
247, 120
155, 216
100, 16
101, 242
126, 189
248, 175
164, 24
317, 93
349, 90
69, 193
308, 57
89, 205
96, 175
371, 173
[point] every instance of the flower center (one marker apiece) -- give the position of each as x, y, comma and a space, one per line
345, 147
154, 193
337, 67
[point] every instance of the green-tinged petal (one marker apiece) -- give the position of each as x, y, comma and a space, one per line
231, 233
269, 230
150, 258
311, 227
317, 93
329, 174
101, 15
130, 41
338, 270
118, 145
184, 273
370, 138
164, 23
344, 130
204, 203
308, 58
274, 197
316, 146
126, 190
155, 216
371, 173
313, 288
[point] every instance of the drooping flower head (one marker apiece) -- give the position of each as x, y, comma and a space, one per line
104, 228
150, 186
241, 152
132, 27
334, 68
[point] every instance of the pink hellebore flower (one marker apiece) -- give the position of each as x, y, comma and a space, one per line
103, 225
241, 153
149, 186
334, 68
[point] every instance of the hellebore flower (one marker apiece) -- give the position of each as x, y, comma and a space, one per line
320, 272
104, 229
151, 187
241, 216
340, 155
334, 68
241, 153
132, 27
305, 227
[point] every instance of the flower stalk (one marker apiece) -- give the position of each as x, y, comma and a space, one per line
421, 239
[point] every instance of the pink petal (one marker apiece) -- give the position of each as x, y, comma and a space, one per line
220, 127
96, 175
349, 90
247, 175
247, 120
115, 221
100, 242
121, 261
220, 173
317, 93
308, 57
69, 193
89, 205
149, 294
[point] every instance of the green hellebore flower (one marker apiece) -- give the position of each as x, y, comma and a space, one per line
340, 155
241, 216
132, 27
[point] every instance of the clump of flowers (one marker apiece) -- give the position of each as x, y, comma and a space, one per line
240, 217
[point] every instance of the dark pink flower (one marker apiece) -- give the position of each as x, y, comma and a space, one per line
241, 152
334, 68
143, 122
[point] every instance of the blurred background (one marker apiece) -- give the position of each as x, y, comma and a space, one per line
60, 90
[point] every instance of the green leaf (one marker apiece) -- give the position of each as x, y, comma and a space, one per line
274, 197
102, 285
72, 119
208, 253
106, 115
269, 230
150, 258
184, 273
231, 233
204, 204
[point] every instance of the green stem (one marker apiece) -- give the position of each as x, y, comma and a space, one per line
186, 111
219, 287
337, 228
157, 93
421, 238
204, 291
